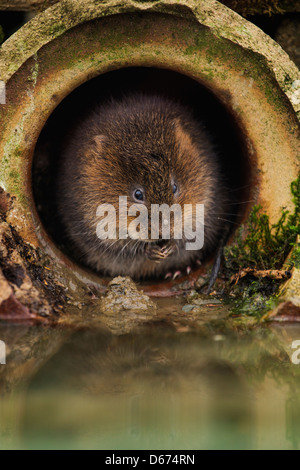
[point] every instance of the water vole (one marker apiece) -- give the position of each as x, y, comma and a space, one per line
153, 151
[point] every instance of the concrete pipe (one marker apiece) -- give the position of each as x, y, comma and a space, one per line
201, 44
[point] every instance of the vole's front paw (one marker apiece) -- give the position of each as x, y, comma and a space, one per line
158, 253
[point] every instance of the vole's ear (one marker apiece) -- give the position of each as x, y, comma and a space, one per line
99, 140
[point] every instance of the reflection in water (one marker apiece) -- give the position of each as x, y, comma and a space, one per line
293, 419
158, 389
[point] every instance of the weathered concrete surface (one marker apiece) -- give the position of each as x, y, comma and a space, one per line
243, 7
74, 41
291, 290
26, 5
69, 13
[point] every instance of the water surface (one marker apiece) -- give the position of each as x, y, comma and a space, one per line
171, 384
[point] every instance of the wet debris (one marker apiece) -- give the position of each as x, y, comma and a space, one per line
261, 273
123, 295
204, 308
125, 307
26, 289
285, 312
19, 298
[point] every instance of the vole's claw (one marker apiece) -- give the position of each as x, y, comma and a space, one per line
176, 274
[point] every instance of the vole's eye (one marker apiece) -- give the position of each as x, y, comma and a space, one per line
138, 194
174, 187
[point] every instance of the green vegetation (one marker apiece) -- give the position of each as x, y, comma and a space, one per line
262, 246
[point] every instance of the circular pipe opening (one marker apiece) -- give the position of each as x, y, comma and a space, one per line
233, 59
219, 122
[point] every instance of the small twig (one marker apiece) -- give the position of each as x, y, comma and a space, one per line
261, 273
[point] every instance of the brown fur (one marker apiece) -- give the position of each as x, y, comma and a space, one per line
138, 141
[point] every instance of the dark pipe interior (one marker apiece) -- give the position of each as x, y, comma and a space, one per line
218, 121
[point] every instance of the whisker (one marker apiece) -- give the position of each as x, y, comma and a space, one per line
238, 189
225, 213
239, 203
226, 220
